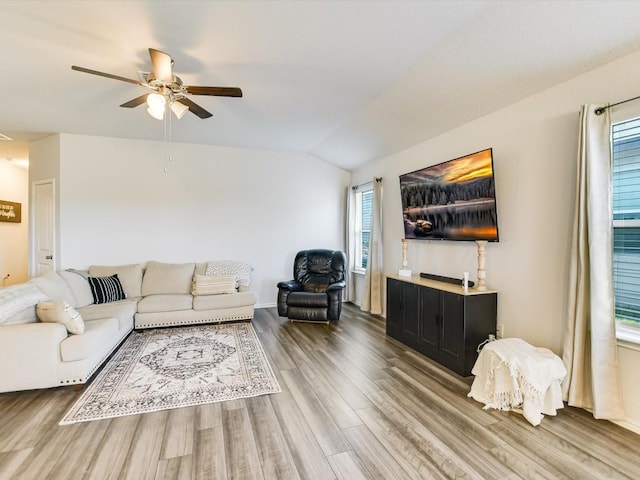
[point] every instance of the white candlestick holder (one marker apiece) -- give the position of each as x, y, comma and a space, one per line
404, 271
482, 273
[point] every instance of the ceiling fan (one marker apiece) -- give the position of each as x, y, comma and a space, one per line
167, 89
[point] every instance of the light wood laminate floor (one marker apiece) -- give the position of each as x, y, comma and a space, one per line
355, 404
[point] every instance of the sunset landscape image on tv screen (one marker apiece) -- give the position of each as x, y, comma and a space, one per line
454, 200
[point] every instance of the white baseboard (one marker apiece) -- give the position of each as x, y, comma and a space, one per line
264, 305
634, 427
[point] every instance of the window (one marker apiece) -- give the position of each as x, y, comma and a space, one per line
364, 204
626, 222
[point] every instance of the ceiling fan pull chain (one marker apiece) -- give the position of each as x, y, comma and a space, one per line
167, 145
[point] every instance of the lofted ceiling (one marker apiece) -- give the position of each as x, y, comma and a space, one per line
345, 81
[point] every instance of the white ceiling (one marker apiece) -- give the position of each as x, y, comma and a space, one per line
346, 81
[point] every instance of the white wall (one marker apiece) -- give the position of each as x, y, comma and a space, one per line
534, 145
14, 187
214, 203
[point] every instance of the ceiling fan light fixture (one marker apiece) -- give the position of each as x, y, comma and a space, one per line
179, 109
155, 114
156, 105
165, 88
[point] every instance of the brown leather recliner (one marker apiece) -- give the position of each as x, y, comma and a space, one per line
315, 293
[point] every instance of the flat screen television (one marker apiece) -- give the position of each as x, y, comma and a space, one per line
453, 200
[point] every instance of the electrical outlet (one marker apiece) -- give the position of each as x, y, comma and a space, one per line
500, 330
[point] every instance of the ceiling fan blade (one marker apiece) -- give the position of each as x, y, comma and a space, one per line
195, 108
215, 91
102, 74
161, 65
135, 102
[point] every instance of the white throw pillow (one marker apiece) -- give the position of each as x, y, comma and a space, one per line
242, 270
208, 285
61, 312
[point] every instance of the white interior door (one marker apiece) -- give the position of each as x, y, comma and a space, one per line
43, 226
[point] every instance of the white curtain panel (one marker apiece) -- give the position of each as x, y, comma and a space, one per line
590, 350
372, 296
350, 242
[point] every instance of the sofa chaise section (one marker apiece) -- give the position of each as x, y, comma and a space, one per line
36, 355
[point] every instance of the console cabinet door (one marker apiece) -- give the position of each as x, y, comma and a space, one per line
430, 315
403, 310
394, 307
410, 311
452, 328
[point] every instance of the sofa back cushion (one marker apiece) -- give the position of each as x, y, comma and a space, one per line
79, 286
167, 278
129, 275
54, 287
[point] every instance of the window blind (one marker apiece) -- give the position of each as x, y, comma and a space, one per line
626, 220
367, 205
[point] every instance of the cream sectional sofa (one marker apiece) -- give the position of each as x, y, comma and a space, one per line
34, 354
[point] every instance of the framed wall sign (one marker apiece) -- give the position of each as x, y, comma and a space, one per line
10, 212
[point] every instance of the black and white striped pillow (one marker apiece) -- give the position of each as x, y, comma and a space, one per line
106, 289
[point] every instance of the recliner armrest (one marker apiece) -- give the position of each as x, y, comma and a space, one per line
291, 285
336, 286
284, 289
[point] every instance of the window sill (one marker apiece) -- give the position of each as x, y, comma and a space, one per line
628, 337
360, 272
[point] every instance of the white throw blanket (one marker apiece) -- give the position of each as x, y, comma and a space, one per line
513, 375
16, 298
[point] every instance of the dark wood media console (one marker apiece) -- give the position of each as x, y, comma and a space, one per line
440, 320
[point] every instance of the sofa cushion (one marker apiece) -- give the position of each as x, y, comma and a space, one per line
130, 276
206, 285
230, 300
97, 334
241, 270
17, 298
54, 287
106, 289
79, 285
123, 310
165, 303
167, 278
61, 312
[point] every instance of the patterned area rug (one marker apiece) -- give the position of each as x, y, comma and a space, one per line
177, 367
